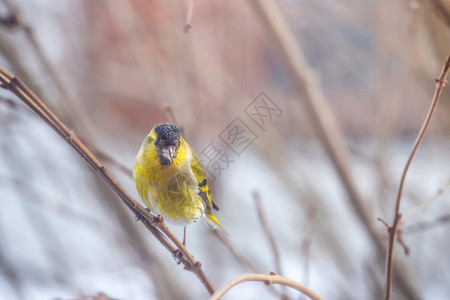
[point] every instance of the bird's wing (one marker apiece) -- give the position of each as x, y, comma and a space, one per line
203, 186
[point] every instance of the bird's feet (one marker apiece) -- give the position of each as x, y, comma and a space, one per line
139, 217
159, 218
177, 255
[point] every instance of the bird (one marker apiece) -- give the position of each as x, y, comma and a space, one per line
171, 180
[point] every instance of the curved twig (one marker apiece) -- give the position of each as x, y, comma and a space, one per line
266, 228
187, 26
268, 280
154, 224
392, 230
421, 206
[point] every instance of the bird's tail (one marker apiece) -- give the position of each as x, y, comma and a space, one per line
212, 221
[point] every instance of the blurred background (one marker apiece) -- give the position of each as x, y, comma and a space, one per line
111, 70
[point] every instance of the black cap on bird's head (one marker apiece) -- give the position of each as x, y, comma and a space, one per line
167, 142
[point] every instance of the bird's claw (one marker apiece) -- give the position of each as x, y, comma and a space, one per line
160, 218
177, 255
140, 217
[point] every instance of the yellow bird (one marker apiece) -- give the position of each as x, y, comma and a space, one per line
170, 179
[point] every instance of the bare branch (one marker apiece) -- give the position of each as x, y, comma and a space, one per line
236, 253
166, 108
269, 235
307, 240
383, 222
419, 227
187, 26
241, 258
9, 21
49, 67
108, 159
268, 280
154, 224
322, 117
401, 241
414, 211
392, 230
315, 101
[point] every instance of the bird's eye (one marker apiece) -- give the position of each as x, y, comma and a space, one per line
148, 140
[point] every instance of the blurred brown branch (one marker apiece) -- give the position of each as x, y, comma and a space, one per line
268, 280
9, 102
442, 9
99, 296
421, 206
154, 224
307, 240
167, 109
235, 252
70, 108
316, 103
108, 159
9, 21
269, 235
422, 226
187, 26
322, 117
392, 230
242, 259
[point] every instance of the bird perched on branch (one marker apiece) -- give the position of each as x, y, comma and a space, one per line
170, 179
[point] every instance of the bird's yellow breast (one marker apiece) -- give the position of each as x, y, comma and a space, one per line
168, 190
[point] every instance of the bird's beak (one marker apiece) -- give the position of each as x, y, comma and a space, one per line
167, 154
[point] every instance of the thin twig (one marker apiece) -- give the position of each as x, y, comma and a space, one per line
240, 257
109, 160
166, 108
9, 21
97, 152
49, 67
152, 223
307, 240
187, 26
9, 102
419, 227
235, 252
322, 117
269, 235
392, 230
414, 211
402, 242
268, 280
